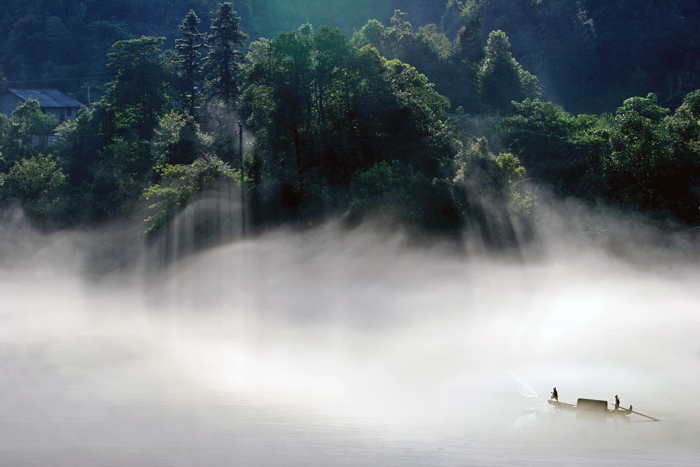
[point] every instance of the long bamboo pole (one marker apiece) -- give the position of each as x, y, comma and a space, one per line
647, 416
621, 409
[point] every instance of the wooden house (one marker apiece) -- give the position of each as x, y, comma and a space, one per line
51, 101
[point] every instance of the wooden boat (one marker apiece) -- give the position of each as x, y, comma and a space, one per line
592, 407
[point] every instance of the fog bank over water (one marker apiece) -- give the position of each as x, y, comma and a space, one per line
334, 347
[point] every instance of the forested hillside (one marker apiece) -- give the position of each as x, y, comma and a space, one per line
430, 114
589, 55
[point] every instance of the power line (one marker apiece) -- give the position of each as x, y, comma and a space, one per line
58, 79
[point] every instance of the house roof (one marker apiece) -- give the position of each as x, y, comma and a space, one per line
47, 97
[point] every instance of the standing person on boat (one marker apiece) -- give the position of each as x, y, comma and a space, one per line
555, 396
617, 402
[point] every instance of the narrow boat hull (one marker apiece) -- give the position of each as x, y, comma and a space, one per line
592, 410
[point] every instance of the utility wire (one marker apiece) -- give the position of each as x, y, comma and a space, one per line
58, 79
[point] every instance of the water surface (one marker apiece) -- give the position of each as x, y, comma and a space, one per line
330, 348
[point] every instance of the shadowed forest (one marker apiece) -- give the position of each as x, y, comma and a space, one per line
451, 118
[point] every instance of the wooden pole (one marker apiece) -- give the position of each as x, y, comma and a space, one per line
647, 416
240, 145
240, 161
621, 409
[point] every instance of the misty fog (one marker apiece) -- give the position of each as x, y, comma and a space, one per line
349, 347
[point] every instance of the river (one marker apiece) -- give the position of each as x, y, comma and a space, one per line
346, 348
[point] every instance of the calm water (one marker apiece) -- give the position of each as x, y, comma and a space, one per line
346, 349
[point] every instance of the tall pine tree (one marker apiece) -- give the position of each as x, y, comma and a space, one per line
223, 63
188, 48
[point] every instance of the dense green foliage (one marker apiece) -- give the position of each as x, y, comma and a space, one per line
589, 55
641, 158
323, 109
180, 184
387, 121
